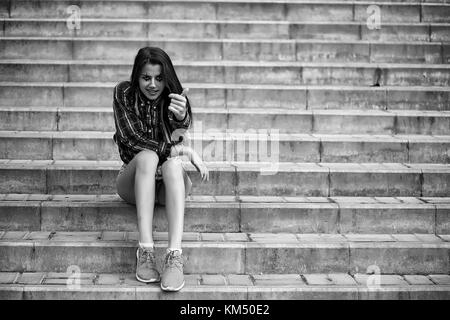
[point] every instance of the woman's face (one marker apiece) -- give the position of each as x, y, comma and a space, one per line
151, 81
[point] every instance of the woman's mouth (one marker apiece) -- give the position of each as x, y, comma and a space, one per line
152, 92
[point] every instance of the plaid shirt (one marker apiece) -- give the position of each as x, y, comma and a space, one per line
139, 124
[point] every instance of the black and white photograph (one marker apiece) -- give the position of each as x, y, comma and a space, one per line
244, 151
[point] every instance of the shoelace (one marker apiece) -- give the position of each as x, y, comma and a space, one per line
147, 256
173, 260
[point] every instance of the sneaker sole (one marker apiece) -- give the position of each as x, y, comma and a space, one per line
172, 288
147, 281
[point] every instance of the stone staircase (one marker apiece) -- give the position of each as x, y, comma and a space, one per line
358, 208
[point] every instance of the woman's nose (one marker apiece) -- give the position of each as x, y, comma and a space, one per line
152, 83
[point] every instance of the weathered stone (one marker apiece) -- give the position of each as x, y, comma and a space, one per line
318, 279
113, 236
412, 53
257, 51
239, 280
297, 218
29, 96
53, 292
30, 278
375, 183
338, 52
345, 99
108, 279
86, 257
372, 281
216, 237
11, 293
417, 100
8, 277
443, 279
321, 238
435, 13
23, 180
19, 216
89, 216
284, 183
405, 237
278, 280
77, 236
215, 280
399, 257
418, 280
370, 237
192, 279
17, 257
38, 235
309, 258
435, 184
273, 237
396, 33
342, 279
428, 237
391, 12
303, 293
192, 293
62, 181
384, 218
238, 237
14, 235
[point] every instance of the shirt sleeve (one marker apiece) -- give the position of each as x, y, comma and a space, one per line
129, 128
183, 124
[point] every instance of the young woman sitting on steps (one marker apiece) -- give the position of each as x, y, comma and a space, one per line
147, 111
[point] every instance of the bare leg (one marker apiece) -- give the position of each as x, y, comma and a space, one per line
137, 185
172, 172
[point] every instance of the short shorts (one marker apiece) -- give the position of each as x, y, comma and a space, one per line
160, 190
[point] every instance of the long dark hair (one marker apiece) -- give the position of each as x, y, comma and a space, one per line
154, 55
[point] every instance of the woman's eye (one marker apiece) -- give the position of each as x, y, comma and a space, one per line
148, 79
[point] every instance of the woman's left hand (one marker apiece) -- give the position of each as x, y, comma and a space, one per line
178, 104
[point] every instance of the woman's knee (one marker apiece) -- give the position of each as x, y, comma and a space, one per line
172, 169
146, 161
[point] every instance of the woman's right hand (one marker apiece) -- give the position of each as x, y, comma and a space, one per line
198, 163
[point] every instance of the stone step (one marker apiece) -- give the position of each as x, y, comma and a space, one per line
238, 253
308, 50
229, 121
94, 145
232, 10
238, 178
234, 72
236, 96
99, 286
212, 214
226, 29
219, 96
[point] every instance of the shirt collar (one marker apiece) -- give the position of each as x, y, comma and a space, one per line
146, 101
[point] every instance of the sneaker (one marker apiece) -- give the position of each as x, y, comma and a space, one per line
172, 278
146, 266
